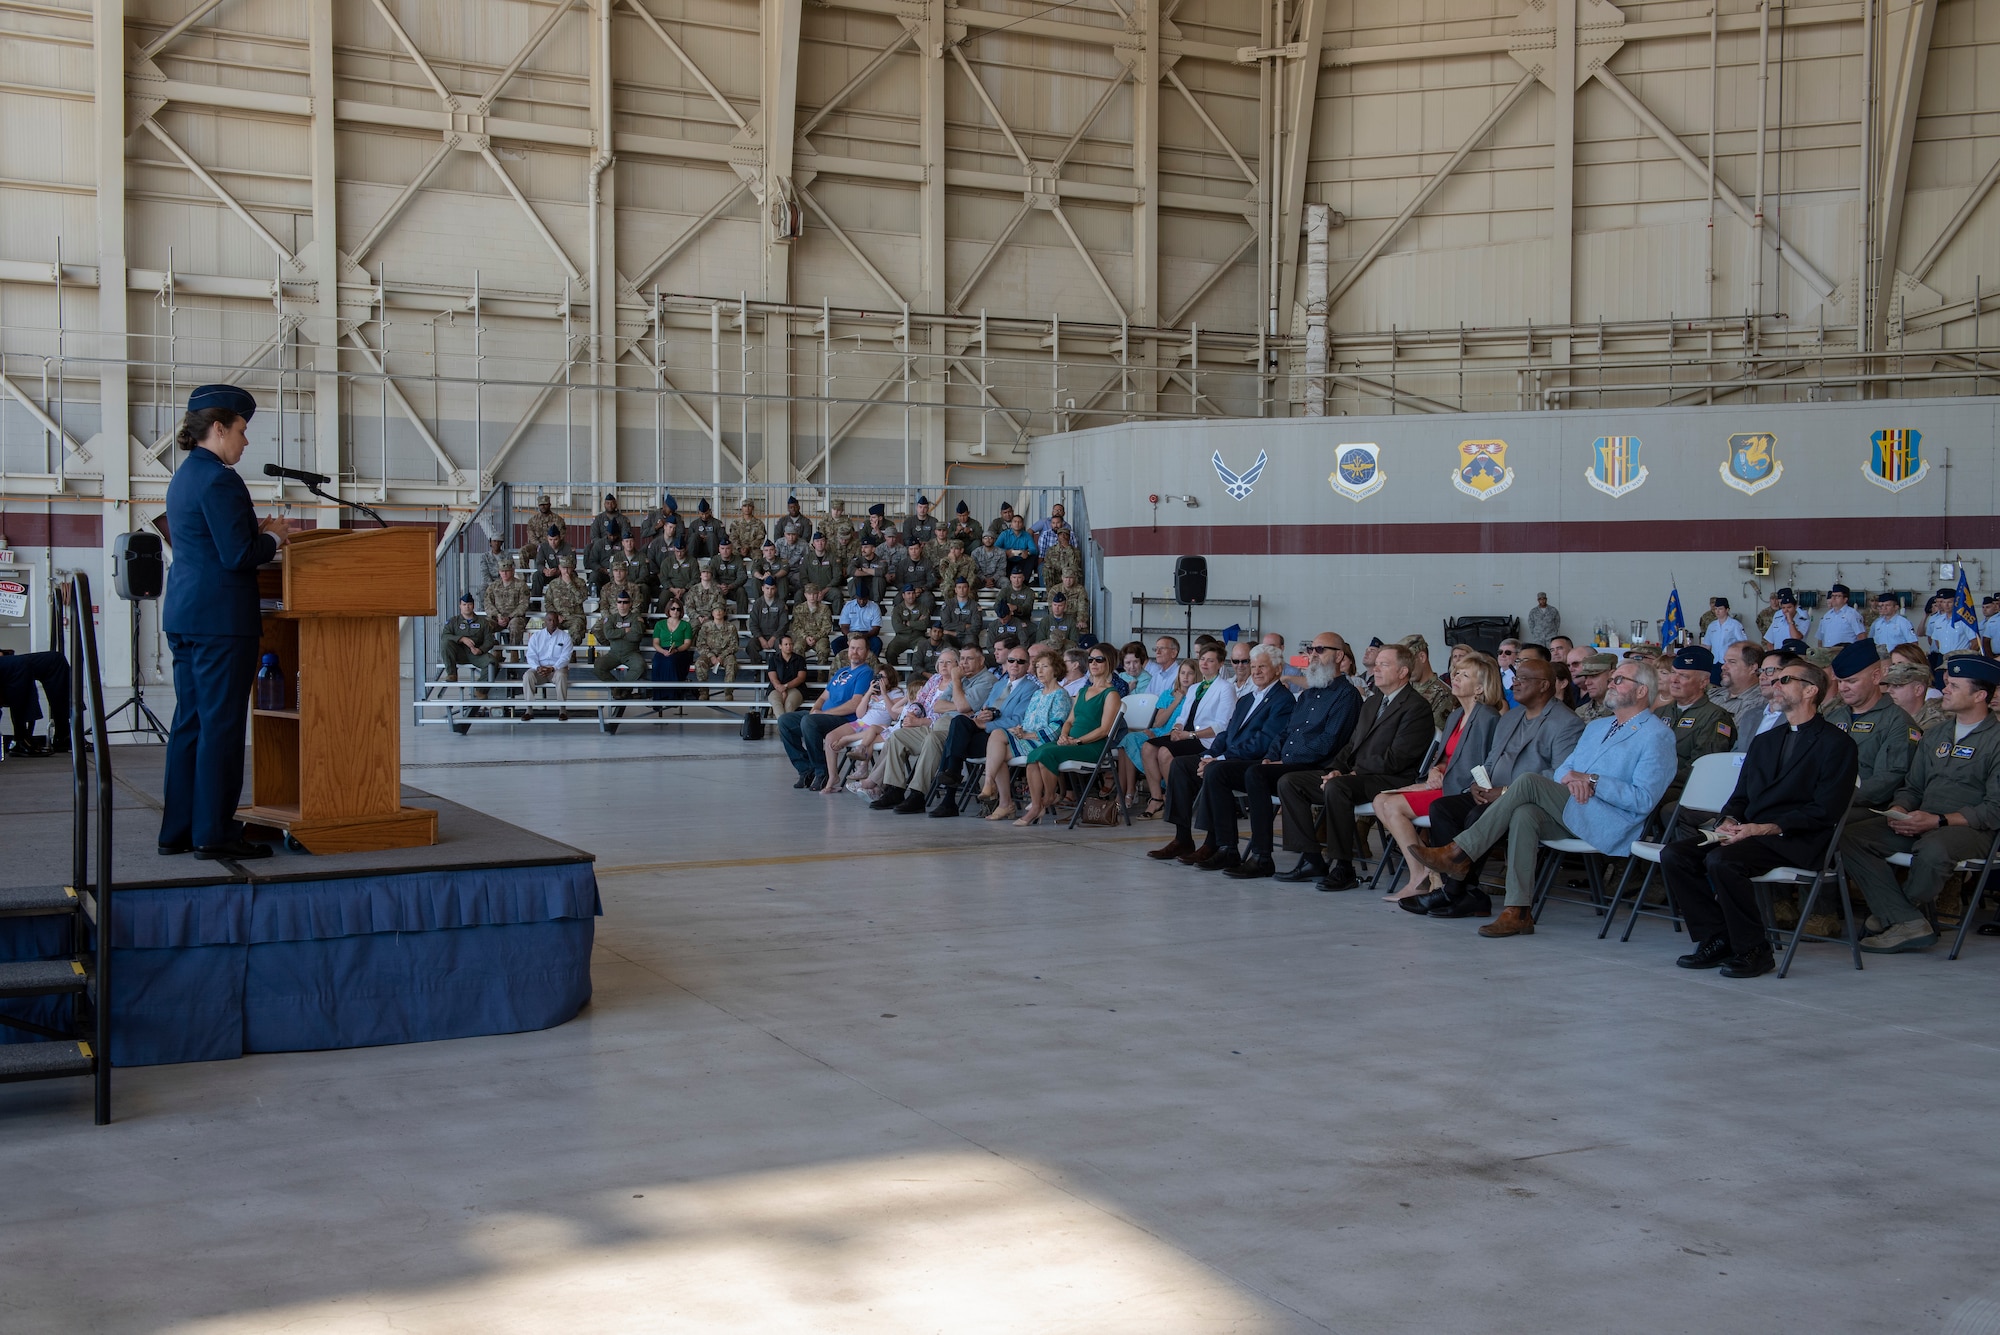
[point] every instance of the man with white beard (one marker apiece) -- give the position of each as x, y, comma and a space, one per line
1321, 723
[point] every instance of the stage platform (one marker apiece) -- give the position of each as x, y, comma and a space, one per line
487, 931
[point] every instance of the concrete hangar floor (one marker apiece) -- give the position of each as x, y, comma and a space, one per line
848, 1071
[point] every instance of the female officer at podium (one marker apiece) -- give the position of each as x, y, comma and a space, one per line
211, 618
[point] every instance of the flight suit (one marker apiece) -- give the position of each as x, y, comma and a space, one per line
1059, 631
967, 528
733, 575
909, 619
963, 621
1946, 776
482, 657
1021, 602
919, 529
705, 535
1887, 738
824, 573
678, 575
762, 569
768, 620
1703, 728
621, 639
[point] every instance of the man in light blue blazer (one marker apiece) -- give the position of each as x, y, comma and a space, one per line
1602, 793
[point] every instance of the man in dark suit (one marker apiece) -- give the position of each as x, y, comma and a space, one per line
1322, 721
1386, 750
1530, 738
211, 617
1797, 780
1263, 711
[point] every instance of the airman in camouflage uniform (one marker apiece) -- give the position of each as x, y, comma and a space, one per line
621, 639
1079, 602
491, 560
812, 626
747, 533
715, 645
1055, 625
1435, 689
1063, 559
564, 596
791, 551
618, 583
544, 557
842, 536
955, 566
990, 561
1595, 666
704, 598
507, 605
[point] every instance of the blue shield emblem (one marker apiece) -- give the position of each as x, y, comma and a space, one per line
1357, 472
1753, 462
1614, 465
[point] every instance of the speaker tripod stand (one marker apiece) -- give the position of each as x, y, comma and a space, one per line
144, 720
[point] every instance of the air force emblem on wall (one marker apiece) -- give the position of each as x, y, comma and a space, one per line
1614, 465
1896, 459
1482, 470
1358, 471
1753, 462
1238, 485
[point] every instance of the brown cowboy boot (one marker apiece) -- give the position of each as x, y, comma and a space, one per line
1513, 921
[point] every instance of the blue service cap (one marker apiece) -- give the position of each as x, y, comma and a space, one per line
624, 597
229, 398
1856, 658
1057, 597
964, 509
878, 509
770, 583
909, 588
1722, 603
1974, 668
791, 500
1785, 595
1797, 647
702, 508
555, 530
1694, 658
668, 503
923, 500
1936, 658
465, 597
1842, 590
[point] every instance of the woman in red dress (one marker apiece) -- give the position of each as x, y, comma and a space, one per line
1475, 684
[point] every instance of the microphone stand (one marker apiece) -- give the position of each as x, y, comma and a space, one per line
314, 488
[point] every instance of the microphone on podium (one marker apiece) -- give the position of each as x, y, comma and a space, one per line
297, 475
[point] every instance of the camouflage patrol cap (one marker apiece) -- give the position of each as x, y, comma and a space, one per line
566, 562
1596, 665
1902, 672
1416, 644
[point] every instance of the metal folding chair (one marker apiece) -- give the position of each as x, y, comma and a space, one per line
1391, 861
1105, 763
1972, 896
1809, 882
1711, 783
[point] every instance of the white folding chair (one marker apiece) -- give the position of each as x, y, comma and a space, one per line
1711, 783
1139, 711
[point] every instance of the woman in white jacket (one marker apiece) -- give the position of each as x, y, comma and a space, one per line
1205, 712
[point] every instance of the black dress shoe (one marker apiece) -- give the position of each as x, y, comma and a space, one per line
176, 849
818, 782
1424, 903
1750, 964
1220, 860
1339, 877
1253, 868
888, 800
1465, 902
804, 780
1710, 954
913, 805
947, 803
1307, 870
236, 850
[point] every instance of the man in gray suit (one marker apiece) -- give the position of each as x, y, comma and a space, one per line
1529, 739
1384, 752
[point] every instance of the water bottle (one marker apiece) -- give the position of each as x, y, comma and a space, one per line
270, 684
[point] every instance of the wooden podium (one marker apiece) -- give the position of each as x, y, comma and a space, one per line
328, 770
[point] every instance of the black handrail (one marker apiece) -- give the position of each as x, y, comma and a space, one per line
84, 674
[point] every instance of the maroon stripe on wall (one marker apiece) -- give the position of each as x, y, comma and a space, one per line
1918, 533
27, 529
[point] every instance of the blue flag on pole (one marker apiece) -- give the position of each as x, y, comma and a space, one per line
1673, 624
1961, 606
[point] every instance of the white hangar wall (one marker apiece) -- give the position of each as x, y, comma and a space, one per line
1419, 548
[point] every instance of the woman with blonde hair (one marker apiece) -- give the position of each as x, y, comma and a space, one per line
1468, 734
1090, 719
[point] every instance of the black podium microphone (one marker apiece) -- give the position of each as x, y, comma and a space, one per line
297, 475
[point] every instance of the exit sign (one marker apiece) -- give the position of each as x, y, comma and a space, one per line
6, 557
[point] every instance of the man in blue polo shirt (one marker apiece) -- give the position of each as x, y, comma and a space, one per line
804, 734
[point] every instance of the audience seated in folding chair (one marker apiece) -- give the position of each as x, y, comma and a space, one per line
1262, 714
1531, 738
1004, 705
1203, 712
914, 751
1130, 746
1323, 719
880, 705
1797, 781
1601, 795
1944, 814
1039, 725
1091, 717
1468, 737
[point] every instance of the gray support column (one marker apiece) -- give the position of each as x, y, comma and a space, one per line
323, 329
113, 445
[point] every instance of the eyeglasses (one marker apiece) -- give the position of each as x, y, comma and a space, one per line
1239, 661
1629, 681
1791, 681
1099, 658
1767, 674
1322, 648
1017, 662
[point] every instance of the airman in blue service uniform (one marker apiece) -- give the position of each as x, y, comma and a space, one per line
211, 618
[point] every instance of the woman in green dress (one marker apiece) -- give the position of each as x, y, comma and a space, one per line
673, 645
1082, 737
